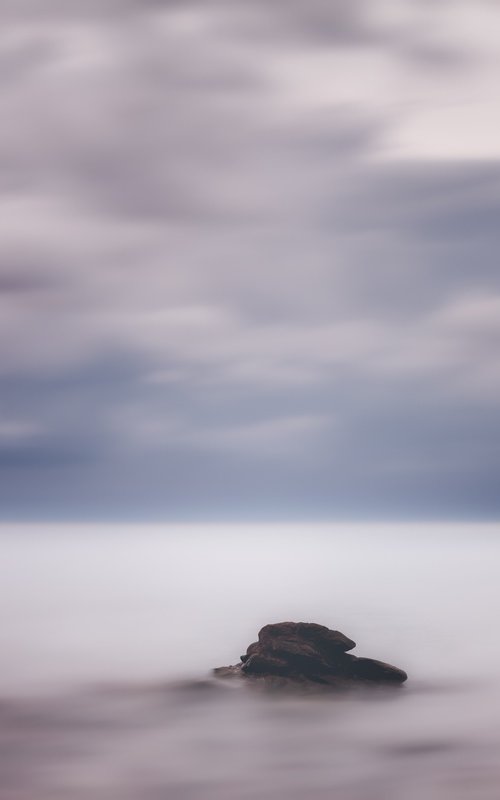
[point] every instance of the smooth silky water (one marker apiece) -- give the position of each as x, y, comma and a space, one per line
108, 634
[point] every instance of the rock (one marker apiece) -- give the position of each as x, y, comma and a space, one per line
261, 664
228, 672
307, 654
370, 670
299, 647
251, 649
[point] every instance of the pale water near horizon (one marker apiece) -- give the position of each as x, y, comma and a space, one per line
102, 628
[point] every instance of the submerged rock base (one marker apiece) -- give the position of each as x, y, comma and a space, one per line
307, 655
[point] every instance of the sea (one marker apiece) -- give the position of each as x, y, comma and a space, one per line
109, 634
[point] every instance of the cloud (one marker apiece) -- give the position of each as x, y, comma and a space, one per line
12, 430
280, 437
239, 267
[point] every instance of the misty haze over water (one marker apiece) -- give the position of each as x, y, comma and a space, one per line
109, 633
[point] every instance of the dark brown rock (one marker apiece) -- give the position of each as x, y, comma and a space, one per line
261, 664
251, 649
304, 653
369, 669
299, 647
288, 636
233, 671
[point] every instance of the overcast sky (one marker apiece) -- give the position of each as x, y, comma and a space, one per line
250, 259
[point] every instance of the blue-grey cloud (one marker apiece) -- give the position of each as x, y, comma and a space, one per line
222, 293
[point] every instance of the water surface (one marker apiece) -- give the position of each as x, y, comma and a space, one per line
108, 635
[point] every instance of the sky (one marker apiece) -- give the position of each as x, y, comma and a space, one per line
249, 259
